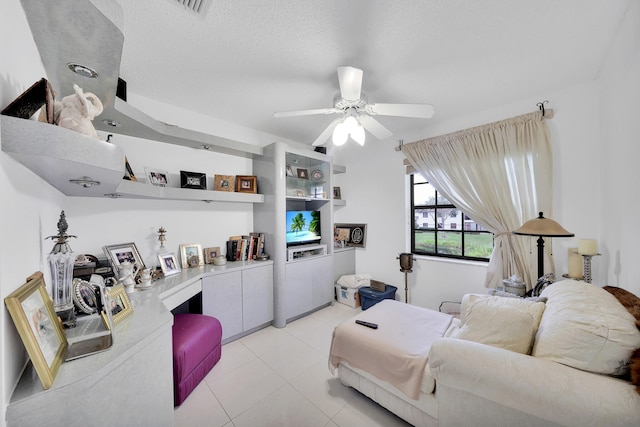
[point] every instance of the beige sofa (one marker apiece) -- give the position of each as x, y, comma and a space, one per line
509, 362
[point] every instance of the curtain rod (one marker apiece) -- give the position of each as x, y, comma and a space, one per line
546, 113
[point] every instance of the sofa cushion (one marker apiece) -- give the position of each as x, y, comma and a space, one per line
585, 327
508, 323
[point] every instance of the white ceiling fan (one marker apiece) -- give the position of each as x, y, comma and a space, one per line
356, 114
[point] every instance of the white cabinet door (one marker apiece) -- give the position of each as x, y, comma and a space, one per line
222, 299
322, 288
257, 296
309, 284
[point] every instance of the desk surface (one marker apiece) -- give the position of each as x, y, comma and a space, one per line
151, 318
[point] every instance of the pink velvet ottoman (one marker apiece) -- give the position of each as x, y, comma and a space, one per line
196, 349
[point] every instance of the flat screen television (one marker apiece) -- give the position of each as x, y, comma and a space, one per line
303, 227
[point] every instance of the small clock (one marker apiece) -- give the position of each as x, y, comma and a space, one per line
317, 175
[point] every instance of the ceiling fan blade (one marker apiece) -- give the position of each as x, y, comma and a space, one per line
350, 83
419, 111
305, 112
375, 127
324, 136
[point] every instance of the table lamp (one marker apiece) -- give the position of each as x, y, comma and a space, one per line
542, 227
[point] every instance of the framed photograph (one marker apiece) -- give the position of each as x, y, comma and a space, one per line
299, 193
195, 180
336, 193
246, 184
84, 296
119, 304
288, 170
31, 309
191, 255
169, 264
223, 183
128, 172
352, 234
157, 177
117, 254
210, 254
303, 173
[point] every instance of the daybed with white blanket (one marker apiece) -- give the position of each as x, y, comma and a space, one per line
505, 362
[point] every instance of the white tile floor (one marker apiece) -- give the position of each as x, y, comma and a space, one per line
280, 377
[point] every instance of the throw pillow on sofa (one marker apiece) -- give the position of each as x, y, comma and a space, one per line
585, 327
507, 323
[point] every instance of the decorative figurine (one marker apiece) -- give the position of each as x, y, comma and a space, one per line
76, 112
61, 261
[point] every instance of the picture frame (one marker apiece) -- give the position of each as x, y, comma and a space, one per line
302, 173
84, 296
191, 255
117, 254
336, 193
169, 264
210, 254
289, 170
299, 193
195, 180
224, 183
128, 172
31, 309
354, 235
246, 184
119, 305
157, 177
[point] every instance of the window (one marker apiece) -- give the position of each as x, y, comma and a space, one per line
440, 229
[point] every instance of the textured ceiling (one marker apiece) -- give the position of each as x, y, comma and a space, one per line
247, 59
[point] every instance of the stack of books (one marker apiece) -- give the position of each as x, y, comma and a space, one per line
245, 248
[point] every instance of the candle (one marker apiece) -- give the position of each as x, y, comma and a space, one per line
587, 247
575, 264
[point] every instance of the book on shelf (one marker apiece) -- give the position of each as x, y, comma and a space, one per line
245, 247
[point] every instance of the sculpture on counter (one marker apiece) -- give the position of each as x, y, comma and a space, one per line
76, 112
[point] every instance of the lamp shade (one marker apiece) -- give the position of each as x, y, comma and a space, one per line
542, 226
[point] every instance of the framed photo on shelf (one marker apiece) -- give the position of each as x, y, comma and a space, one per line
169, 264
196, 180
157, 177
288, 170
246, 184
336, 193
191, 255
119, 304
354, 235
302, 173
223, 183
31, 309
117, 254
210, 254
128, 172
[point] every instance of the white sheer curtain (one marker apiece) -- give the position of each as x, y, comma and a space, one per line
500, 175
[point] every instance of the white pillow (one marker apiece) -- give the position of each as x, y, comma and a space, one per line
585, 327
507, 323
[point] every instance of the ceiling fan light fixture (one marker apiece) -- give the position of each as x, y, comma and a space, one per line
340, 134
357, 134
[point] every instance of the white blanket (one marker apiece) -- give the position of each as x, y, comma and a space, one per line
397, 351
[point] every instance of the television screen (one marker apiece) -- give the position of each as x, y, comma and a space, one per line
303, 227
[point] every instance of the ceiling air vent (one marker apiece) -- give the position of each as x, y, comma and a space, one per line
199, 7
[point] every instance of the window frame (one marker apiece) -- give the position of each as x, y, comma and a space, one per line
461, 231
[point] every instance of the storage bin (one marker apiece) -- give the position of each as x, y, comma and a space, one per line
369, 297
348, 296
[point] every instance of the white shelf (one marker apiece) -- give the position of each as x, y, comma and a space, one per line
139, 190
59, 155
339, 202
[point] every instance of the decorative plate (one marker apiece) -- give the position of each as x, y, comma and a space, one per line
316, 174
84, 296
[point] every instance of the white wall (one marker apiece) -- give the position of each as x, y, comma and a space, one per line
619, 151
595, 147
